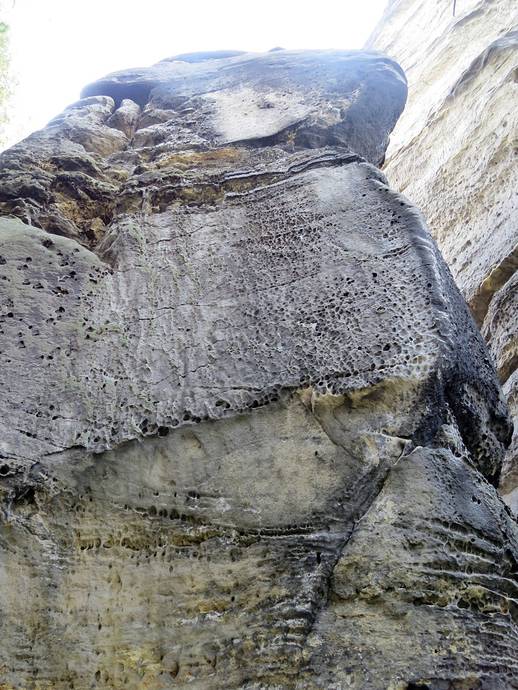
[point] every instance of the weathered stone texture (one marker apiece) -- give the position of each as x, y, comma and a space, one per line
453, 152
249, 428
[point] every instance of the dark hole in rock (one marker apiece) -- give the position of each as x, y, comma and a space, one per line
27, 495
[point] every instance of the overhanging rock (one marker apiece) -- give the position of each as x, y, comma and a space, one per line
248, 422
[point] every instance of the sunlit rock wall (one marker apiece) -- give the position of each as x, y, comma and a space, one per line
454, 154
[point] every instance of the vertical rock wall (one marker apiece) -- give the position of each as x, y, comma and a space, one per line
249, 431
454, 154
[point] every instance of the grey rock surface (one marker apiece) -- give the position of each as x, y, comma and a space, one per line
249, 427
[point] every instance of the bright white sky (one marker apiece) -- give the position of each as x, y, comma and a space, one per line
58, 46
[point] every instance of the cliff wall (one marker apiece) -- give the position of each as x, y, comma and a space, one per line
250, 432
454, 154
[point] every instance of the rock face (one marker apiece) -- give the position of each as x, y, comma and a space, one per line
453, 153
250, 432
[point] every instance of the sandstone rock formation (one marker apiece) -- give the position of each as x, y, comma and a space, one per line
250, 432
453, 153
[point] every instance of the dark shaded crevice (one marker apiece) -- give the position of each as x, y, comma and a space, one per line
501, 273
372, 486
467, 383
508, 369
139, 92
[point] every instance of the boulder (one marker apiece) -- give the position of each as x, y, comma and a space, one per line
250, 431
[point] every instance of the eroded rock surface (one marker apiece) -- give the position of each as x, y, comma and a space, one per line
250, 431
453, 153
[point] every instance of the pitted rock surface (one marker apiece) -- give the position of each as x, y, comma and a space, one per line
247, 420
